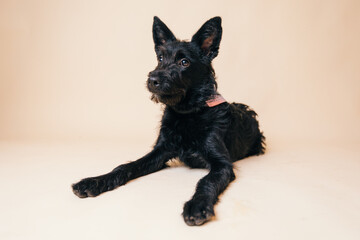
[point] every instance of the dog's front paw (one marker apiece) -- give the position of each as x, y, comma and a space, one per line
89, 187
197, 212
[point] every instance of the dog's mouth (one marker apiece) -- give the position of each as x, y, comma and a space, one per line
168, 99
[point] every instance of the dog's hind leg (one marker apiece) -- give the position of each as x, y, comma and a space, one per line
93, 186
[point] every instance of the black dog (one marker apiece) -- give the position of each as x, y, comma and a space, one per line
198, 126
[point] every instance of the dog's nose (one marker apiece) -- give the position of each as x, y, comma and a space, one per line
153, 81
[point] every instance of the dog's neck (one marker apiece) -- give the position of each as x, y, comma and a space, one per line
196, 100
215, 100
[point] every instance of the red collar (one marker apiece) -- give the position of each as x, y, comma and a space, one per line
215, 100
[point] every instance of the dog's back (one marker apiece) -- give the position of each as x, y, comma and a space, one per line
243, 138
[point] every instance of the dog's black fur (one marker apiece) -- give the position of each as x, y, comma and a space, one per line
199, 135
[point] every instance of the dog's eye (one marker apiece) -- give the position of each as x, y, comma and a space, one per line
160, 58
184, 62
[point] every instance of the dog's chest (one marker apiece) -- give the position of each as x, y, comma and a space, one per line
186, 131
189, 128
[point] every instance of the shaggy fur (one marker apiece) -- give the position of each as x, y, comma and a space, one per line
198, 135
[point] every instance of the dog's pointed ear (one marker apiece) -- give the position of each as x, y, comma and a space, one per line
208, 37
161, 33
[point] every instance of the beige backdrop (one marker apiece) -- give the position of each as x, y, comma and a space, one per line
73, 104
77, 69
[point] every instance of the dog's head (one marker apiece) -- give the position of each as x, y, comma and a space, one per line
182, 65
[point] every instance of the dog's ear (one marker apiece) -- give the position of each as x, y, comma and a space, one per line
208, 37
161, 33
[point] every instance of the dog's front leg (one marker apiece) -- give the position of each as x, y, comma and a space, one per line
93, 186
200, 208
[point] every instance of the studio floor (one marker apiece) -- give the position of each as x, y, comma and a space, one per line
294, 191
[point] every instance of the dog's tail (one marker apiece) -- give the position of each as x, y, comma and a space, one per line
258, 146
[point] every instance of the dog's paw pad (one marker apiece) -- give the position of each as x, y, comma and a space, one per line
197, 213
